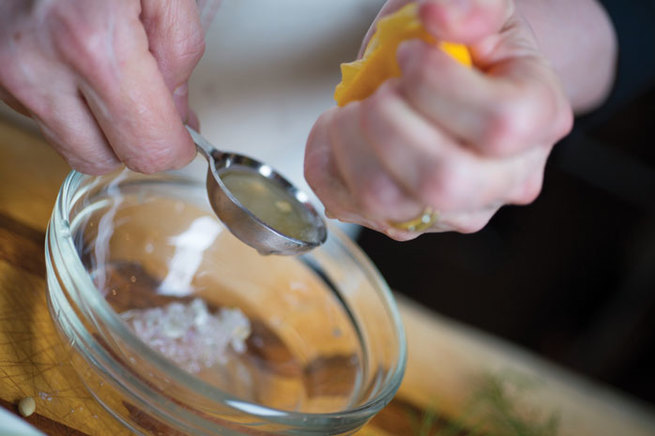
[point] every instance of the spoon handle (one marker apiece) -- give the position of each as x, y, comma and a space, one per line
207, 149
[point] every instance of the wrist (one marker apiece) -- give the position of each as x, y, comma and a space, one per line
579, 40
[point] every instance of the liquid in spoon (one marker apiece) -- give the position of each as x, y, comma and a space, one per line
271, 204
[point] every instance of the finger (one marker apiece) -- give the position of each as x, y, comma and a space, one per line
321, 173
13, 102
464, 222
42, 88
435, 169
176, 40
452, 20
324, 178
122, 85
193, 121
389, 7
68, 125
376, 194
421, 157
464, 21
497, 113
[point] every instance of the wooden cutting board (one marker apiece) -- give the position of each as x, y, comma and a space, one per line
449, 365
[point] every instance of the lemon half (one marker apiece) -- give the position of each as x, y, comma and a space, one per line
361, 78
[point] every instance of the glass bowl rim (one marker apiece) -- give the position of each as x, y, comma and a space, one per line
61, 227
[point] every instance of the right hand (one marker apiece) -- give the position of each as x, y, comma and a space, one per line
460, 141
106, 81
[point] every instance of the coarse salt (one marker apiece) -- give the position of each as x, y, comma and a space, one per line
190, 335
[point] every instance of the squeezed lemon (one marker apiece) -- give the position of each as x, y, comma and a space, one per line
361, 78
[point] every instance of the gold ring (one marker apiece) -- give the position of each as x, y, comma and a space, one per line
422, 222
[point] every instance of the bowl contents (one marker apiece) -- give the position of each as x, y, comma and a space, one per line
267, 329
188, 334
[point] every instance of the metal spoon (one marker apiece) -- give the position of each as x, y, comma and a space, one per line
258, 205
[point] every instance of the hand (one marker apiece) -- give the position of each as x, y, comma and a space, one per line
461, 141
106, 81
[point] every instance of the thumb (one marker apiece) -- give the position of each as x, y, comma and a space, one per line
464, 21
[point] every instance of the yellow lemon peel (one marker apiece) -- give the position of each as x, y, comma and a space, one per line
362, 77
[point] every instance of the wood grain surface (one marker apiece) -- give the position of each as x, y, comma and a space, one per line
446, 364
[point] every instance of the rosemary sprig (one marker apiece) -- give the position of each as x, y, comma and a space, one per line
493, 411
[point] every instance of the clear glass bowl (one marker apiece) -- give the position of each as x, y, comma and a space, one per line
176, 327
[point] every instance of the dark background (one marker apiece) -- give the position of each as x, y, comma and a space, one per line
571, 276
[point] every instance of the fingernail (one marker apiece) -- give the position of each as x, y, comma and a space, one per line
183, 89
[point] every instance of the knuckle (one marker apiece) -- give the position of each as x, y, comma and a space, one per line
377, 118
181, 54
524, 115
556, 114
190, 49
97, 162
529, 191
81, 43
309, 173
417, 73
473, 225
144, 166
373, 194
398, 236
175, 34
373, 106
442, 184
312, 176
421, 72
564, 122
318, 152
94, 168
560, 113
154, 161
506, 127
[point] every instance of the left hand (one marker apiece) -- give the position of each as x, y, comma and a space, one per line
461, 141
105, 81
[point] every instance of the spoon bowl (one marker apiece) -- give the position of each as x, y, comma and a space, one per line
258, 205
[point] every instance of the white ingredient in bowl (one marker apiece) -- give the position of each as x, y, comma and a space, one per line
188, 334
